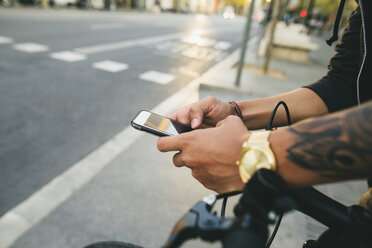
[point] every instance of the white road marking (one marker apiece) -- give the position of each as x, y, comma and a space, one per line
191, 39
5, 40
157, 77
142, 41
31, 211
166, 45
68, 56
30, 47
198, 40
171, 46
107, 26
111, 66
201, 53
126, 44
222, 45
207, 42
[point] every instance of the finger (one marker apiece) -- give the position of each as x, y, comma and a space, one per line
184, 119
183, 159
196, 115
230, 118
204, 126
181, 115
208, 122
177, 159
170, 143
220, 123
173, 115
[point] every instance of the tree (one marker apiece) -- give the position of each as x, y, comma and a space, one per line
237, 4
272, 26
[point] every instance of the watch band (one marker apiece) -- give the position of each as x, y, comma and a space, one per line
258, 138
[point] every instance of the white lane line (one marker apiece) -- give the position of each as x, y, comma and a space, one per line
30, 47
68, 56
109, 65
5, 40
157, 77
30, 212
142, 41
125, 44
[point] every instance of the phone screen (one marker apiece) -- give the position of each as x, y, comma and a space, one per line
166, 125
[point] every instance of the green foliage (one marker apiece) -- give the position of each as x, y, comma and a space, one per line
327, 7
237, 4
323, 7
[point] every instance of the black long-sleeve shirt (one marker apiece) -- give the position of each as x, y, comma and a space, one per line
348, 80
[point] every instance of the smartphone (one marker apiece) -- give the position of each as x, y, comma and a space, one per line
158, 125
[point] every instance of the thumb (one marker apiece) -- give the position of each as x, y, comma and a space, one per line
196, 116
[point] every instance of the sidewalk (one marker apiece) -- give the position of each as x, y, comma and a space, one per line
223, 76
140, 195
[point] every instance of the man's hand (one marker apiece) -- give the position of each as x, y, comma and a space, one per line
211, 153
205, 113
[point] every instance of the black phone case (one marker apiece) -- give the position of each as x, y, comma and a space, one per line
148, 130
152, 131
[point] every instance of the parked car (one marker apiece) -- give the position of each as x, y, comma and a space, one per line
228, 12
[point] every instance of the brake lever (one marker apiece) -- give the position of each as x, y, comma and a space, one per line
199, 222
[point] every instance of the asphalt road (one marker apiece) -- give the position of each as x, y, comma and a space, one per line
57, 107
80, 81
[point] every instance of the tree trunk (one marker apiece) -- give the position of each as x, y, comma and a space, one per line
44, 4
272, 26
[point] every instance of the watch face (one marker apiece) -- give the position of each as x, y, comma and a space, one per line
253, 159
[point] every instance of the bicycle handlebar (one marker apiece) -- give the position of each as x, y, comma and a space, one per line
235, 234
250, 227
248, 232
264, 196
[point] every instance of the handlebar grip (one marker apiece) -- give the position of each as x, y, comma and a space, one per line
248, 233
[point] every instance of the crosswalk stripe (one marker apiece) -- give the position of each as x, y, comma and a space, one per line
5, 40
30, 47
157, 77
109, 65
68, 56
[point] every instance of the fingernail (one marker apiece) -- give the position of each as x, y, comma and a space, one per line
194, 123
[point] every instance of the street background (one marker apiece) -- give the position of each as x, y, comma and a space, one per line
72, 170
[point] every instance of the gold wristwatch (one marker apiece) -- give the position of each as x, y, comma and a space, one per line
256, 154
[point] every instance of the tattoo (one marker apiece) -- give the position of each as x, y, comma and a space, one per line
339, 145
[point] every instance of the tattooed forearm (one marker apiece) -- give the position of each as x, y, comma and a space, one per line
338, 145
